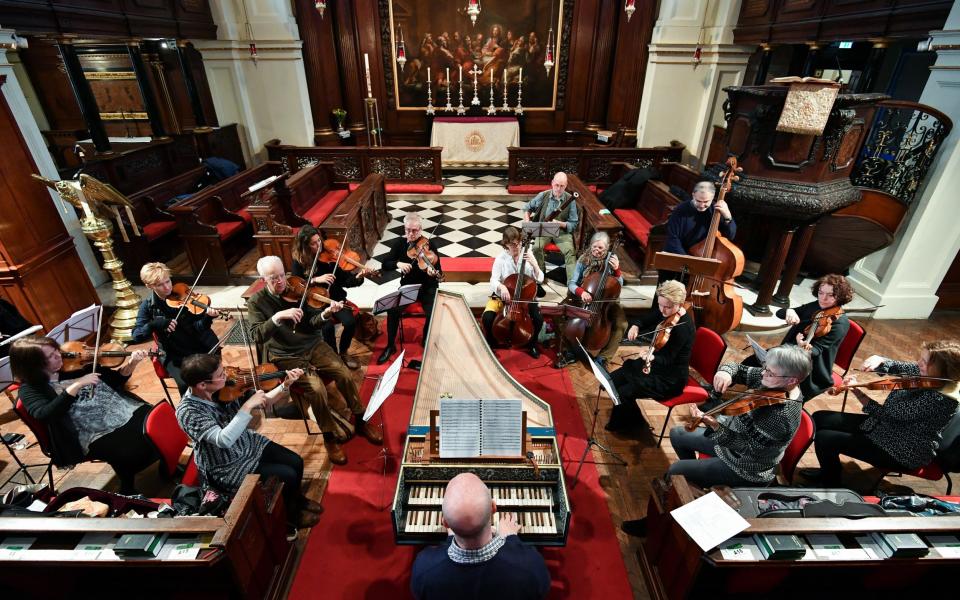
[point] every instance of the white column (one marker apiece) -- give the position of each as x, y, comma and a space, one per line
267, 98
905, 276
13, 91
681, 101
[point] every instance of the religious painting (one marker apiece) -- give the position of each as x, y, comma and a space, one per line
443, 52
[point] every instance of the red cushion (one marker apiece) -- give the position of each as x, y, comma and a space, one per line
551, 247
527, 188
407, 188
933, 472
247, 217
478, 264
158, 229
693, 393
323, 207
635, 224
228, 229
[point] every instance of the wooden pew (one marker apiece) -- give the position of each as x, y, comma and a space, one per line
361, 218
249, 555
215, 224
591, 219
533, 166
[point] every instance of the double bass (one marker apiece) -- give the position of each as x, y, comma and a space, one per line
604, 288
715, 303
513, 324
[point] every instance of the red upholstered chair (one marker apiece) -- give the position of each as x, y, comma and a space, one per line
191, 476
163, 431
931, 472
708, 350
39, 431
798, 446
848, 348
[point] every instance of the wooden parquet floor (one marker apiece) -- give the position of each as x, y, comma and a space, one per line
627, 487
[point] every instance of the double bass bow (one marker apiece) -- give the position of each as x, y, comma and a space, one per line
604, 289
513, 324
715, 303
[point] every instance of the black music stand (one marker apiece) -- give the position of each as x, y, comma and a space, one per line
603, 378
403, 297
541, 228
687, 265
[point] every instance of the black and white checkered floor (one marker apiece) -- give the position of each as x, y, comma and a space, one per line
467, 180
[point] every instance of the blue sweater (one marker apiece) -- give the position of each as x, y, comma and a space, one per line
687, 227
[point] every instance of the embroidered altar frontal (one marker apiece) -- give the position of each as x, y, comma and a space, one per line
475, 139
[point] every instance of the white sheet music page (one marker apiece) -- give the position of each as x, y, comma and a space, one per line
758, 350
501, 427
709, 521
459, 428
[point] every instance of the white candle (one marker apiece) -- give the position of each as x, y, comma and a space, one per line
448, 77
366, 67
504, 83
461, 72
521, 76
428, 73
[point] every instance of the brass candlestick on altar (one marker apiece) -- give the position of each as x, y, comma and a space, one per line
430, 109
99, 203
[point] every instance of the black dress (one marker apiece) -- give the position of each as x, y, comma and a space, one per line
343, 279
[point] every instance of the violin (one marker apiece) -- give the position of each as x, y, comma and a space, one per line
895, 383
197, 303
316, 298
424, 257
346, 260
742, 402
240, 381
662, 336
76, 355
821, 323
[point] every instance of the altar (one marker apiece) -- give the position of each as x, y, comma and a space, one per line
475, 141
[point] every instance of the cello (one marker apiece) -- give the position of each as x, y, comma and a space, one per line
513, 324
604, 288
715, 303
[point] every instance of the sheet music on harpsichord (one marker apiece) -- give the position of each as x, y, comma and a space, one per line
474, 428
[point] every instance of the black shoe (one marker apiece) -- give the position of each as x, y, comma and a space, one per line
386, 354
637, 527
541, 292
532, 351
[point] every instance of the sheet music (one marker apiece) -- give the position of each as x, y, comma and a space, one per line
709, 521
459, 428
757, 349
262, 183
386, 386
24, 333
501, 427
602, 377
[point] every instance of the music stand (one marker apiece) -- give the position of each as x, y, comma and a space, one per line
403, 297
606, 384
542, 228
77, 326
687, 265
386, 384
16, 336
564, 311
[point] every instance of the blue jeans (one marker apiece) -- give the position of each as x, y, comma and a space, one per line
702, 472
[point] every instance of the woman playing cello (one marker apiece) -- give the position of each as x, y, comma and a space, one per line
668, 369
503, 267
902, 433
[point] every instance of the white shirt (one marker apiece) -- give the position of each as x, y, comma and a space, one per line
505, 266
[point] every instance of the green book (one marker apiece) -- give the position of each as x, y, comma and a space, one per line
139, 544
780, 546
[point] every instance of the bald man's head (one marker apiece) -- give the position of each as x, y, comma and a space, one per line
467, 506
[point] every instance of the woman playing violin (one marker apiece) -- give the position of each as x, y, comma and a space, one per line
504, 266
413, 270
179, 333
669, 366
307, 243
88, 415
226, 450
819, 328
902, 433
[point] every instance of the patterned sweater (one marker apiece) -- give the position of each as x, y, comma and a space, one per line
225, 450
753, 443
907, 426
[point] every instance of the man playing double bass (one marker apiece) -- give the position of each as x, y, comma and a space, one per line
689, 222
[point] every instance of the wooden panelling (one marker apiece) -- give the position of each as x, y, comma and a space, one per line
40, 271
112, 18
353, 164
592, 165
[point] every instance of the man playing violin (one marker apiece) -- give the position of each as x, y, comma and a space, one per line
592, 261
179, 333
335, 279
291, 338
400, 258
668, 367
544, 204
901, 434
819, 328
504, 266
226, 450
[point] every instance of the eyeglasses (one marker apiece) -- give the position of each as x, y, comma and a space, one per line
767, 371
414, 230
274, 277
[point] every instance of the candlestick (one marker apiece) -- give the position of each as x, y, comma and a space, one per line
476, 94
491, 110
461, 109
430, 109
505, 105
519, 109
448, 106
366, 67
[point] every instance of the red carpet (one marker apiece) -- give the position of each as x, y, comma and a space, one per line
351, 553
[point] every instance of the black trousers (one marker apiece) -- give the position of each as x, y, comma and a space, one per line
174, 371
426, 298
839, 433
344, 317
126, 449
287, 466
490, 316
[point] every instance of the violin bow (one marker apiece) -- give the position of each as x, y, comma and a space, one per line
250, 361
336, 263
306, 284
183, 305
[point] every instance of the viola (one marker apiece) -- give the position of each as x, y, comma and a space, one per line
715, 303
661, 337
239, 381
197, 303
316, 294
424, 257
513, 324
895, 383
76, 355
740, 403
603, 288
821, 323
346, 260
